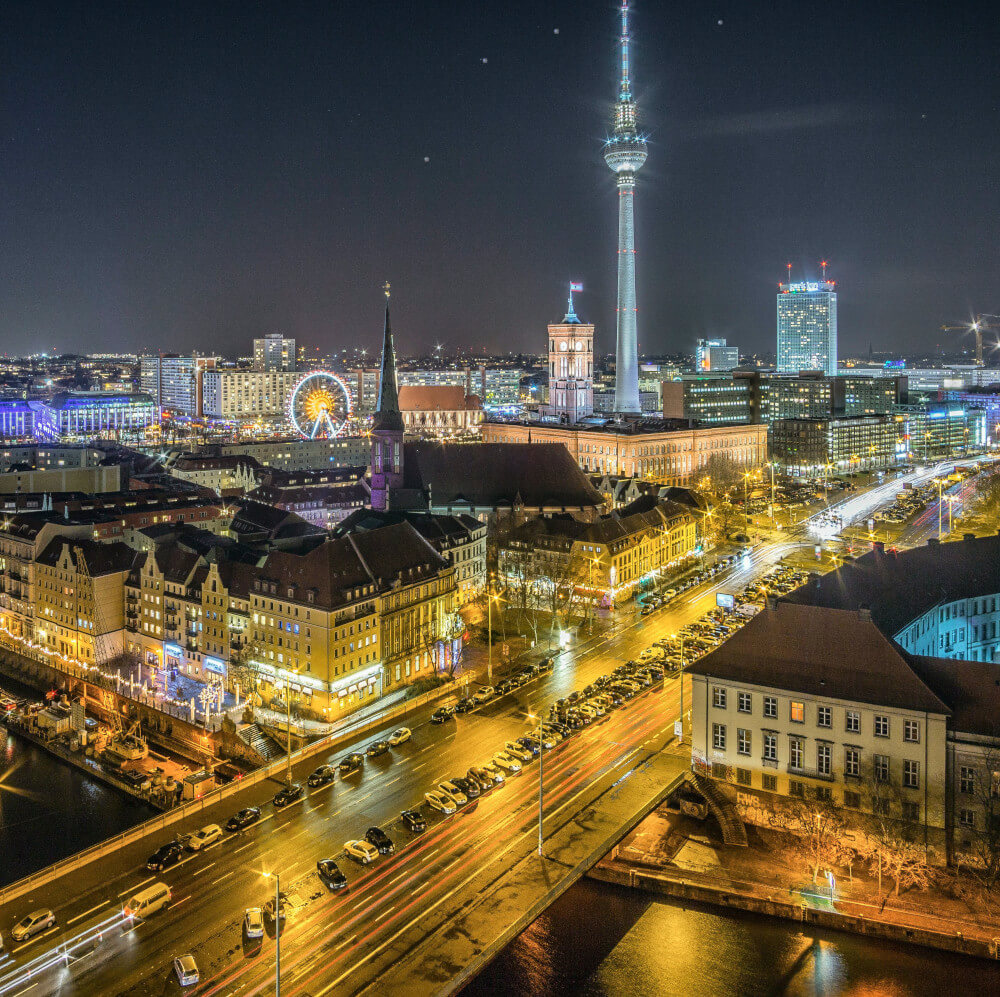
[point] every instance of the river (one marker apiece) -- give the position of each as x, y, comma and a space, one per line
49, 809
599, 940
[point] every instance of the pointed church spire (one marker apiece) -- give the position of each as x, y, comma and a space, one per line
387, 416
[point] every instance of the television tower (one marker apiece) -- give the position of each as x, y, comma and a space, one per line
625, 152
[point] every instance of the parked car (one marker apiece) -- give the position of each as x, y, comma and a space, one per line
413, 821
377, 837
283, 908
481, 778
441, 714
468, 786
186, 970
208, 835
377, 748
243, 819
507, 762
322, 776
440, 801
450, 789
351, 764
285, 797
400, 736
165, 856
35, 923
483, 695
361, 851
330, 873
518, 751
253, 923
465, 705
494, 772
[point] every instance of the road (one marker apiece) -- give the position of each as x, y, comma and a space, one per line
338, 942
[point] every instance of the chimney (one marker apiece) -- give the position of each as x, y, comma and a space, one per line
864, 614
771, 602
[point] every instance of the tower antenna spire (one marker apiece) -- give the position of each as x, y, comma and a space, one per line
822, 264
624, 88
788, 268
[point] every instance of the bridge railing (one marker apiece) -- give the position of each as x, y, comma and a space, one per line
186, 810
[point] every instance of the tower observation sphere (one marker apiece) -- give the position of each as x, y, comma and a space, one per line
625, 153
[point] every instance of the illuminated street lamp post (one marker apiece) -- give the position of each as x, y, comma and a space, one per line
288, 724
277, 930
951, 500
541, 755
680, 739
939, 482
746, 501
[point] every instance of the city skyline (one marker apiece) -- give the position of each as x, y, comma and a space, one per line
161, 194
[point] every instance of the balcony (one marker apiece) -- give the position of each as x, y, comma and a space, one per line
191, 645
809, 773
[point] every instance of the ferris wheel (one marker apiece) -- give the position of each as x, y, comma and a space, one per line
319, 405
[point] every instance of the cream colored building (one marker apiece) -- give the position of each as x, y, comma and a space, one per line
247, 394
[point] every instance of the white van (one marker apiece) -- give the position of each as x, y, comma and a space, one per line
148, 901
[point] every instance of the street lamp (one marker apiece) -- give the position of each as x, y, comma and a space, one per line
680, 739
277, 930
541, 755
951, 500
288, 723
746, 501
491, 598
939, 482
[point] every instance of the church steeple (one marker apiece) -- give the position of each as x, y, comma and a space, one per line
387, 414
387, 427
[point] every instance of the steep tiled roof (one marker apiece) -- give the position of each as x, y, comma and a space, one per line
435, 398
100, 558
498, 475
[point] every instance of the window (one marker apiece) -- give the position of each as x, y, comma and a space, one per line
880, 806
719, 697
967, 818
967, 779
852, 722
769, 783
911, 774
852, 762
881, 725
911, 810
852, 800
880, 768
796, 788
719, 737
823, 758
770, 706
824, 716
797, 712
824, 793
742, 741
743, 702
720, 770
743, 777
911, 731
771, 747
795, 752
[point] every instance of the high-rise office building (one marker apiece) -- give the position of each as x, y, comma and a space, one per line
625, 152
175, 382
715, 354
274, 352
807, 327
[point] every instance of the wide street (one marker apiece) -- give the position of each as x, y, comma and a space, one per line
338, 942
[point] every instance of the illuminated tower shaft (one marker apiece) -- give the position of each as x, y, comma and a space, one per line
625, 152
627, 356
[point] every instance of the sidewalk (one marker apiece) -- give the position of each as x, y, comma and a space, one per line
679, 852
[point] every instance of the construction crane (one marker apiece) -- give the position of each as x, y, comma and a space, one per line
978, 326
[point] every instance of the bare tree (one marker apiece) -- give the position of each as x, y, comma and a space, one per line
720, 473
725, 520
890, 843
984, 834
245, 668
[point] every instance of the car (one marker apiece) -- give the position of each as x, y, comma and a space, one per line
601, 681
35, 922
186, 970
574, 696
253, 922
505, 686
351, 764
329, 872
546, 664
483, 695
377, 837
549, 739
324, 775
494, 772
465, 705
588, 691
450, 789
507, 762
481, 777
399, 736
283, 908
557, 725
377, 748
614, 696
553, 733
646, 610
361, 851
518, 751
441, 714
440, 801
574, 721
287, 796
584, 719
208, 835
243, 819
413, 821
468, 786
165, 856
530, 743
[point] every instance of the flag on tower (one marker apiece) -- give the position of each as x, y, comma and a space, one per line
574, 286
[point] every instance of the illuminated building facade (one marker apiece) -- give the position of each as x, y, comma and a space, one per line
571, 367
807, 327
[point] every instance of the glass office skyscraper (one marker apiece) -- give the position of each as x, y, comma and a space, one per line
807, 327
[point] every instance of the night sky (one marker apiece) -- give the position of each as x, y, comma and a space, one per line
191, 175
